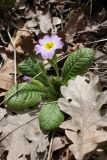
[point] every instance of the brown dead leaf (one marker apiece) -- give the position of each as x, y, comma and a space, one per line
39, 141
2, 113
75, 23
58, 143
45, 21
21, 136
67, 155
17, 146
2, 92
6, 79
22, 39
83, 101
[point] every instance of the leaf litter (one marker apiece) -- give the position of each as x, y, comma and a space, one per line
22, 136
78, 30
6, 71
83, 101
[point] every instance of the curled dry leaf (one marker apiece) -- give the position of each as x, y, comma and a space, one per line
83, 101
22, 39
21, 136
45, 21
6, 78
75, 23
58, 143
39, 141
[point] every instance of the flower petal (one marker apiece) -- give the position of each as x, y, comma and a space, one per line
38, 48
45, 39
44, 51
47, 54
55, 38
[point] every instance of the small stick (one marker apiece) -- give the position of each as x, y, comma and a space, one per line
30, 31
15, 62
50, 148
101, 40
45, 154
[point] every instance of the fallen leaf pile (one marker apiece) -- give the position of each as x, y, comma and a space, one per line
21, 136
83, 101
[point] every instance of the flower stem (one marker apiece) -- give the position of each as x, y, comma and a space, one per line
45, 74
56, 67
38, 84
54, 64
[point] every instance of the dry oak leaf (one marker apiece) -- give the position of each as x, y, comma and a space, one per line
82, 101
21, 136
58, 143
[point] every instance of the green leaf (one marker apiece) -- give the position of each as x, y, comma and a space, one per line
50, 117
26, 98
77, 63
31, 68
55, 90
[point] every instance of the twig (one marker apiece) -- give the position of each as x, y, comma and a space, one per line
91, 5
30, 31
90, 1
101, 40
50, 148
15, 61
45, 154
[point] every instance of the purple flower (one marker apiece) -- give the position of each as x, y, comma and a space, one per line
27, 79
48, 45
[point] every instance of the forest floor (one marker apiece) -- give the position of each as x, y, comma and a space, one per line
80, 23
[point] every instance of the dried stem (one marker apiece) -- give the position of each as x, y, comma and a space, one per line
50, 148
15, 60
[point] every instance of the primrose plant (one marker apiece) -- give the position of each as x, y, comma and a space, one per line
40, 87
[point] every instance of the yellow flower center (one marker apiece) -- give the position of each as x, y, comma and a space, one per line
49, 45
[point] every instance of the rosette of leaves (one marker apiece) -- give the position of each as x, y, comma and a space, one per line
76, 63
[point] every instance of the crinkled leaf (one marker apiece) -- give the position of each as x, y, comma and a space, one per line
30, 67
50, 117
77, 63
83, 101
27, 97
54, 91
